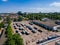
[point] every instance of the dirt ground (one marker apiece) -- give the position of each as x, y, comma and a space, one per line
32, 38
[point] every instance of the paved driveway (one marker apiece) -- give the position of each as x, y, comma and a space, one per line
3, 38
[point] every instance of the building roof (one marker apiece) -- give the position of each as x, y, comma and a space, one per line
48, 23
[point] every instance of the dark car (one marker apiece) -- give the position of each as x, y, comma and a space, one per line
15, 27
29, 27
26, 33
21, 28
33, 31
16, 31
39, 30
23, 32
31, 23
35, 28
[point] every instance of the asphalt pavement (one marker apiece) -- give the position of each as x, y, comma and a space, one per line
3, 38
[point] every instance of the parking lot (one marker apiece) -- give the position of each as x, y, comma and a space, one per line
30, 32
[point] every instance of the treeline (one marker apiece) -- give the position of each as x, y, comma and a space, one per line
38, 16
12, 39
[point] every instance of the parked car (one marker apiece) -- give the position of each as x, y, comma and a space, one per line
35, 28
21, 28
16, 31
23, 32
29, 27
33, 31
39, 30
20, 33
31, 23
27, 33
15, 27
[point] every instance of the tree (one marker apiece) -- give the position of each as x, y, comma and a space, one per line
24, 14
20, 13
15, 19
9, 32
18, 39
9, 35
0, 18
1, 25
10, 42
13, 39
8, 20
20, 18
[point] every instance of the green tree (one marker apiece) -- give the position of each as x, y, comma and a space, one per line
15, 19
20, 18
9, 32
19, 13
0, 18
10, 42
1, 25
9, 35
8, 20
18, 39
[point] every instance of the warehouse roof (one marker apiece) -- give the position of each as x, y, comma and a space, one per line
48, 23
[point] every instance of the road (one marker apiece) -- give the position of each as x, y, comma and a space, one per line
3, 38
